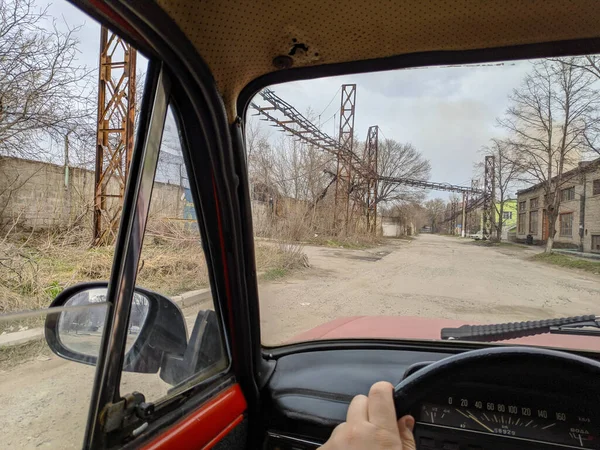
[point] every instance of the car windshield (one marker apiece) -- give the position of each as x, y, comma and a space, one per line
406, 204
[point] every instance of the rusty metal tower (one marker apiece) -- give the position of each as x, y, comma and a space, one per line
115, 132
489, 196
370, 160
343, 183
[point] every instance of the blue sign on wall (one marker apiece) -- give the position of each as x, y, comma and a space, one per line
189, 212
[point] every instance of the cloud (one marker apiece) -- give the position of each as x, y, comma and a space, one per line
448, 113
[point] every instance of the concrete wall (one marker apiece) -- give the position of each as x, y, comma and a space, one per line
583, 184
394, 227
34, 195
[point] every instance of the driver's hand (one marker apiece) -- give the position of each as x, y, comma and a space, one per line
371, 424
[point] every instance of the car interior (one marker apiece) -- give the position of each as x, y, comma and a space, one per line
209, 59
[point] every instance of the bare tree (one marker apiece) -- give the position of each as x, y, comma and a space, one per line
435, 213
591, 135
507, 174
547, 122
44, 93
255, 135
293, 168
400, 161
453, 212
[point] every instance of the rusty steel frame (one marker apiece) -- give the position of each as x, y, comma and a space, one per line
372, 181
115, 130
489, 196
343, 184
472, 203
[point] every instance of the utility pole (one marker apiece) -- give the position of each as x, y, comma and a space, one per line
453, 216
115, 127
67, 160
474, 188
489, 196
343, 184
464, 214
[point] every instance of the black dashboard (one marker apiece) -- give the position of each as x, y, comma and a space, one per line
504, 407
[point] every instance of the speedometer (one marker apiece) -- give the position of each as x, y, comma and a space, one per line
517, 420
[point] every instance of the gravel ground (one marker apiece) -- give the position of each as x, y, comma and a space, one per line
45, 400
432, 276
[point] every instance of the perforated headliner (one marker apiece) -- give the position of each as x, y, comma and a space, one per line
240, 39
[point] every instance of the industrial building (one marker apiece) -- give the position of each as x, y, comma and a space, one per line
578, 221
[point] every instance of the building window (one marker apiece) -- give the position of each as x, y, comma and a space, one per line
534, 203
507, 215
566, 225
567, 194
533, 222
522, 206
521, 223
596, 187
596, 243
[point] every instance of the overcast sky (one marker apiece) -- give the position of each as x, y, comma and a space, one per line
447, 113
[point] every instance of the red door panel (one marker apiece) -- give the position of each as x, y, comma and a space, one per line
204, 428
545, 226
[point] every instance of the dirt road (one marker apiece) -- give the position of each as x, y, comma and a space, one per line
432, 276
44, 402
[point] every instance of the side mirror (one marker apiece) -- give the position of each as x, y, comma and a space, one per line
156, 327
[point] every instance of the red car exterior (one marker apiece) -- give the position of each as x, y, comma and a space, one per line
385, 327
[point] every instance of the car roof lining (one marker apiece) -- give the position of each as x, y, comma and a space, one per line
240, 41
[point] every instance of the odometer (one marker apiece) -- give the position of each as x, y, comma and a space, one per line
513, 419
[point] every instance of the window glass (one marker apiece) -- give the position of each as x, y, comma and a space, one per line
54, 231
173, 265
395, 204
567, 194
534, 203
521, 224
596, 243
533, 222
566, 224
596, 187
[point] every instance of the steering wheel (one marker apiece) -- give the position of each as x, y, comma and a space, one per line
537, 368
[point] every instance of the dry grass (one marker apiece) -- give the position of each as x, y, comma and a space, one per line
283, 256
35, 267
558, 259
18, 354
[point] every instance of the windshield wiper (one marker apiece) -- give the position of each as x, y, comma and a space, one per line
583, 325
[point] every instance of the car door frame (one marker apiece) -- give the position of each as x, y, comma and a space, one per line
216, 187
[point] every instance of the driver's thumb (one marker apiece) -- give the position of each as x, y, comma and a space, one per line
405, 426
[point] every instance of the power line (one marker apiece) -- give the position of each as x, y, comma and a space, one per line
332, 116
383, 134
330, 102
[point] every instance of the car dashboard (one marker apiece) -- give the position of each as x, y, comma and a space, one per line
505, 407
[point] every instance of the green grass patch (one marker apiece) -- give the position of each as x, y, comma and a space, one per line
558, 259
275, 273
345, 244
